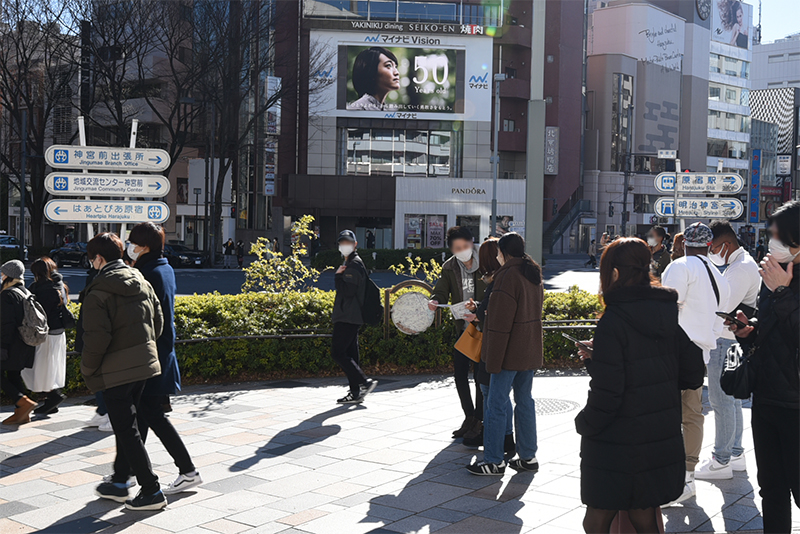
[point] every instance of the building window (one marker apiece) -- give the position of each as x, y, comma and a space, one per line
731, 122
730, 66
776, 59
482, 15
721, 148
730, 94
621, 102
511, 73
388, 152
472, 223
424, 231
508, 125
428, 11
794, 56
183, 191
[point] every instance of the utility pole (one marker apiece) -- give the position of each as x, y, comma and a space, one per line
22, 186
534, 165
496, 157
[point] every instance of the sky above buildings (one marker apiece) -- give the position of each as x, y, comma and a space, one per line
779, 18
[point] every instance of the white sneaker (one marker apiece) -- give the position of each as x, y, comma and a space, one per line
106, 426
711, 469
184, 483
689, 491
738, 463
97, 419
109, 480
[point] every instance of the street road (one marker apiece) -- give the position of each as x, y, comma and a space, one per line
560, 273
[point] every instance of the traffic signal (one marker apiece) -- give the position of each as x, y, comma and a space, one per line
610, 210
233, 212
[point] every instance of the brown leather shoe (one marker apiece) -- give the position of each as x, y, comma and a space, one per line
22, 414
475, 431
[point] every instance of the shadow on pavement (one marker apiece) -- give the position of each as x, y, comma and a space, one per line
293, 439
443, 480
19, 462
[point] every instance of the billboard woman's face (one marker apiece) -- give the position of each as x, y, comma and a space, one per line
388, 77
739, 16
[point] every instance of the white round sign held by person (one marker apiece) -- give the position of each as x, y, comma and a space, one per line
410, 313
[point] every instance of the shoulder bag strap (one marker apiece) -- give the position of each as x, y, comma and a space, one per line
711, 276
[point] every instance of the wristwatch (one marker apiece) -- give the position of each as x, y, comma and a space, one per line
779, 289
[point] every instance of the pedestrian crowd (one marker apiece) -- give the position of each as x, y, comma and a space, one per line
671, 317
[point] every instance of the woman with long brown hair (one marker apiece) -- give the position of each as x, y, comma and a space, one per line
632, 456
49, 371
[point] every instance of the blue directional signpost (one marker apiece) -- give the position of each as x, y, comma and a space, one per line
117, 211
695, 182
106, 185
107, 158
699, 208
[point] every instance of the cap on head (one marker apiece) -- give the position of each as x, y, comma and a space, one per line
13, 269
698, 235
346, 235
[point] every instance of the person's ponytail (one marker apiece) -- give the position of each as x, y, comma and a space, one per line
531, 270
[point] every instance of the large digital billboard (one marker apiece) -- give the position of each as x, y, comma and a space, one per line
399, 76
731, 23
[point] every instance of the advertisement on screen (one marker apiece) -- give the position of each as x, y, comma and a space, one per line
731, 23
397, 76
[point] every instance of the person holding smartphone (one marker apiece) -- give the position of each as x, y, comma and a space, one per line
631, 447
773, 336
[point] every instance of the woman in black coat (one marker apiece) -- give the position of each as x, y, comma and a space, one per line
776, 362
15, 354
632, 455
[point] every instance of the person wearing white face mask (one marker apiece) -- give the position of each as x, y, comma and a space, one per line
351, 279
656, 241
461, 281
741, 272
773, 338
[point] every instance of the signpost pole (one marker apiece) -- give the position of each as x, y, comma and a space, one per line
82, 137
123, 228
496, 156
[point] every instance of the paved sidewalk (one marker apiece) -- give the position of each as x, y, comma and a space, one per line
282, 457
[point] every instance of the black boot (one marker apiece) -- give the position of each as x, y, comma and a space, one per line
50, 405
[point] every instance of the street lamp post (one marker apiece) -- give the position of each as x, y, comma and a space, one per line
197, 192
496, 157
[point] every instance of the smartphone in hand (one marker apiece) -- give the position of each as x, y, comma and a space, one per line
582, 345
732, 319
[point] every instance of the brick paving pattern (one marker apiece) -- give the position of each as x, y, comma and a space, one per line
283, 457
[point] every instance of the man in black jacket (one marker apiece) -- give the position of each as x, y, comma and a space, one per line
351, 279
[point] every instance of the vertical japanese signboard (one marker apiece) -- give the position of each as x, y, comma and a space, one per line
551, 150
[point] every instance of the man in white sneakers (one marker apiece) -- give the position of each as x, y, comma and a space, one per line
741, 272
702, 291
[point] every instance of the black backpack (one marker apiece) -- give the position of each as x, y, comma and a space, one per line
372, 307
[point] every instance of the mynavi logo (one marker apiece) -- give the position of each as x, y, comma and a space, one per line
479, 82
372, 39
324, 73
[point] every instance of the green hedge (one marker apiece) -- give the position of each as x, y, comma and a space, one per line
384, 257
214, 315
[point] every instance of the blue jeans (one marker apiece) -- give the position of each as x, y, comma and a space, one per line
727, 410
509, 410
494, 421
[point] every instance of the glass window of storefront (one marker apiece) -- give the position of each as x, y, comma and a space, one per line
731, 122
721, 148
372, 151
472, 222
729, 66
719, 92
424, 231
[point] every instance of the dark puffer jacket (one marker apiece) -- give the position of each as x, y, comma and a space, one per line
158, 272
350, 287
50, 294
16, 354
121, 321
632, 452
776, 358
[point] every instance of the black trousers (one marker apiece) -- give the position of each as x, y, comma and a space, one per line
150, 414
122, 402
12, 385
344, 349
776, 436
461, 367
